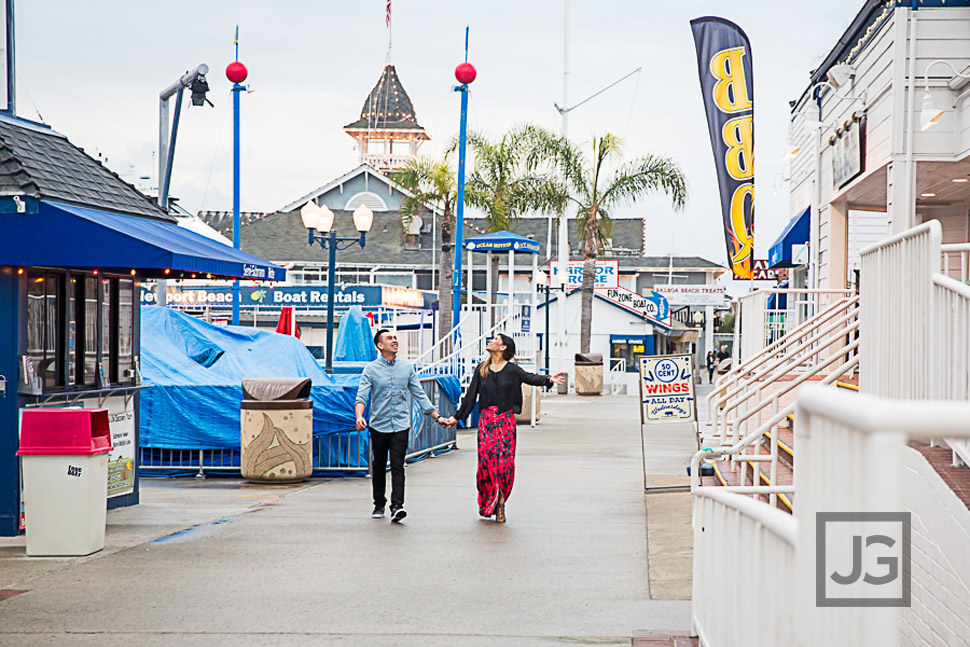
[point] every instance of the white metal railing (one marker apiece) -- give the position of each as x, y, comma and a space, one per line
760, 326
820, 343
929, 311
462, 360
617, 373
896, 313
950, 326
755, 568
736, 601
956, 261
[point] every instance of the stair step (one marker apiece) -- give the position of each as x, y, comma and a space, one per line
941, 459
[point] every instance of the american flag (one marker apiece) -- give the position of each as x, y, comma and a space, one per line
388, 20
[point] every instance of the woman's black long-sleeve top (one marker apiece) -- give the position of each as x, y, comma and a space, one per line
502, 389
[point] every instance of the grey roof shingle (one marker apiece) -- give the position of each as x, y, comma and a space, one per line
388, 106
282, 237
38, 162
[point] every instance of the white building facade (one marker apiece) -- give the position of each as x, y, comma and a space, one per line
881, 139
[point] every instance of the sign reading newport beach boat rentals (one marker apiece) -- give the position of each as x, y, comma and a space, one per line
667, 389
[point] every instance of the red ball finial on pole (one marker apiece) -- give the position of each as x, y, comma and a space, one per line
236, 72
465, 73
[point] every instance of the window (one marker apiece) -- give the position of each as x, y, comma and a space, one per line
104, 370
90, 348
126, 331
80, 329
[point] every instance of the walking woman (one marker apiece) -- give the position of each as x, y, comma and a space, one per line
497, 387
711, 365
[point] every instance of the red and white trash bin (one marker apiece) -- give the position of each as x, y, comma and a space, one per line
65, 466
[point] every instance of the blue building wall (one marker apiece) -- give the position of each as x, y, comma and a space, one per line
9, 423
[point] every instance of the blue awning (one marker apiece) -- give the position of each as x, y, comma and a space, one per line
796, 233
502, 241
61, 235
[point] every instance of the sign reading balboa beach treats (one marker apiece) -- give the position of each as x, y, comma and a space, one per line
607, 274
692, 295
666, 389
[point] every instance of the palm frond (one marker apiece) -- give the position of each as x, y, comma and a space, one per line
644, 176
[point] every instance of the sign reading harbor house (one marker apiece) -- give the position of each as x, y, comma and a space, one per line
259, 296
607, 274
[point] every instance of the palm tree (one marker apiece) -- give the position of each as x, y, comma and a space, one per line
433, 185
596, 191
502, 185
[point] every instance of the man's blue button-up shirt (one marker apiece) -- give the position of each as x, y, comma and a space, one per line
386, 385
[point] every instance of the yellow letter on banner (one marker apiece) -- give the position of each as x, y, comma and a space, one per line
731, 89
739, 229
737, 136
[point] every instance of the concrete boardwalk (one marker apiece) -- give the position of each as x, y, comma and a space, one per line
306, 565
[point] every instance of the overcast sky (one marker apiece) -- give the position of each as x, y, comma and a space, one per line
94, 69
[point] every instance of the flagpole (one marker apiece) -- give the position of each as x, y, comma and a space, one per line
390, 32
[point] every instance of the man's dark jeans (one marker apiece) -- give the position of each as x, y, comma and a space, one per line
396, 444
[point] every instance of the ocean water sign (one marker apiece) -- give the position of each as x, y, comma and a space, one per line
667, 389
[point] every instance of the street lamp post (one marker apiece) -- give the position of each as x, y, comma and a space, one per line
320, 219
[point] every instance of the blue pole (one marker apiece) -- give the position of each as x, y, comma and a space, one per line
331, 279
460, 207
236, 88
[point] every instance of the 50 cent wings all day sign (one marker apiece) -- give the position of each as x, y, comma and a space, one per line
667, 389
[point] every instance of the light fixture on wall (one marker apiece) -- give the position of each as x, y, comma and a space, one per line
930, 113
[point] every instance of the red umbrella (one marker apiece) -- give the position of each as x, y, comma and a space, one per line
287, 323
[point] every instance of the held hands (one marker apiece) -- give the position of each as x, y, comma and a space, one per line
361, 423
558, 378
447, 423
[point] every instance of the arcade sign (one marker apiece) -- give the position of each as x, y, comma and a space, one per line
760, 271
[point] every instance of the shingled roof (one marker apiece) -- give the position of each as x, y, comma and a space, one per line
387, 107
281, 237
38, 162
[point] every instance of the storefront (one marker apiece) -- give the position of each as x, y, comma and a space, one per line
75, 244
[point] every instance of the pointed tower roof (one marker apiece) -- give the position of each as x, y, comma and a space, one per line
387, 107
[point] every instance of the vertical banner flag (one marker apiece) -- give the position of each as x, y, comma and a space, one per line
727, 84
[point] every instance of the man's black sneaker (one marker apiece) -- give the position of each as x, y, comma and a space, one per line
398, 514
378, 512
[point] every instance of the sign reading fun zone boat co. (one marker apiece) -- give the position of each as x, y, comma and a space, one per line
667, 389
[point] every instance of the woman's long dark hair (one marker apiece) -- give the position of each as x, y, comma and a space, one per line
507, 354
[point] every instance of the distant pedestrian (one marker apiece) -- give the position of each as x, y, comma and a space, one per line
723, 354
385, 383
711, 365
497, 387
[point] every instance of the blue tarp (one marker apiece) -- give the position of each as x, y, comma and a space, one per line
195, 371
354, 338
195, 405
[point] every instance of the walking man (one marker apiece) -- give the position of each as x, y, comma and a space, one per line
385, 382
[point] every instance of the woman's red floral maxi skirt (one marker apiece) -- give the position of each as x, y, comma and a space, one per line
496, 458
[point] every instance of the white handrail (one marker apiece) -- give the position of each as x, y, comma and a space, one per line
792, 338
454, 358
806, 346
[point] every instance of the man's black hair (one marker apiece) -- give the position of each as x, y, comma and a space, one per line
377, 337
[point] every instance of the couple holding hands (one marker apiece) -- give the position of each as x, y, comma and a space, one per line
496, 387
